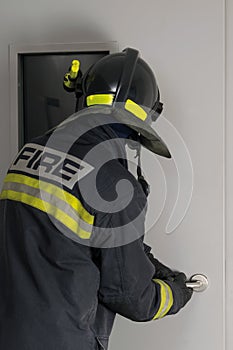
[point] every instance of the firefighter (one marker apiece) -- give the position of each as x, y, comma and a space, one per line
72, 251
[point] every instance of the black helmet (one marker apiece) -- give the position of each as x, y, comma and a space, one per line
126, 78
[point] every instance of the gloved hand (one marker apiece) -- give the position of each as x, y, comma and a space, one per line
181, 293
161, 271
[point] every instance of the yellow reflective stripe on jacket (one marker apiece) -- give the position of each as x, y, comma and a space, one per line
47, 208
103, 99
50, 199
166, 299
55, 191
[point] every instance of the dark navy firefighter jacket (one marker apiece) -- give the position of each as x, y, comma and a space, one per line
67, 265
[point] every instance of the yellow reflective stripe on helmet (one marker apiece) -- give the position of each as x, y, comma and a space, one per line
166, 299
48, 208
107, 99
134, 108
100, 99
55, 191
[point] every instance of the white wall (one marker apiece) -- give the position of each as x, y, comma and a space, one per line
164, 34
138, 24
229, 171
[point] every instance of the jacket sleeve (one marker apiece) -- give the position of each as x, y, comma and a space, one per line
127, 286
127, 283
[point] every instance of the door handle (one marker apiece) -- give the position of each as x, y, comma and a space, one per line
198, 282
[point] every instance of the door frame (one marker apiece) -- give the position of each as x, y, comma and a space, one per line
15, 51
229, 169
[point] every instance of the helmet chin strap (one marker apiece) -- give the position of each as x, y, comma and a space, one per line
141, 179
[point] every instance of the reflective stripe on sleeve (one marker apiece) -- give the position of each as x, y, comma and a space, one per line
166, 299
50, 199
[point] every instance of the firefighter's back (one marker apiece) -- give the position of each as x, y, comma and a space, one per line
48, 294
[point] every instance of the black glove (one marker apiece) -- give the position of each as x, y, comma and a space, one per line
161, 271
181, 293
175, 279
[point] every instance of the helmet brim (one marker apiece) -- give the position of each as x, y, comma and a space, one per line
148, 136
